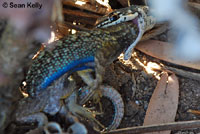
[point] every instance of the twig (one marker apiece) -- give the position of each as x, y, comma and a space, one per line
80, 14
154, 32
104, 3
71, 26
124, 3
194, 5
184, 73
79, 19
57, 11
197, 112
61, 29
89, 7
158, 127
195, 8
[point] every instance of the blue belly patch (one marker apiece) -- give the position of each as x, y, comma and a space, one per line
74, 66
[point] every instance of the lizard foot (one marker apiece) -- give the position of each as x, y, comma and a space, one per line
78, 110
114, 100
97, 98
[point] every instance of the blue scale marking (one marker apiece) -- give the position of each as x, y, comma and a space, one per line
72, 66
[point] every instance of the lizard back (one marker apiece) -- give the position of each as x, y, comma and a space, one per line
74, 52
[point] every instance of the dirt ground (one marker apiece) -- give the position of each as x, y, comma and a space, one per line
136, 88
136, 98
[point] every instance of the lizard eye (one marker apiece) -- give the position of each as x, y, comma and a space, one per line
114, 17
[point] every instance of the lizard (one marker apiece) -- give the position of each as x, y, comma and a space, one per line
33, 110
113, 95
88, 50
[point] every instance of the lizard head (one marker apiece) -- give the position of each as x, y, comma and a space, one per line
140, 15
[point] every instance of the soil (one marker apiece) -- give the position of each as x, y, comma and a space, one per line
136, 87
136, 97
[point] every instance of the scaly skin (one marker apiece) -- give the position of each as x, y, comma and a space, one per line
74, 52
114, 96
32, 110
88, 50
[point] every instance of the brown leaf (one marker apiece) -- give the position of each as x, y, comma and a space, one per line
164, 102
164, 51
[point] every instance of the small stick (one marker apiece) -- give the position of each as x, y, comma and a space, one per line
76, 27
80, 13
154, 32
89, 7
195, 6
197, 112
79, 19
124, 3
157, 127
184, 73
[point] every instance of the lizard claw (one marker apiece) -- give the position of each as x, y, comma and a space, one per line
82, 111
109, 93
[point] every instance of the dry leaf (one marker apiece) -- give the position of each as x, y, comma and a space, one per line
164, 102
164, 51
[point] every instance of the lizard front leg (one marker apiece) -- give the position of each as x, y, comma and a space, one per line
99, 73
92, 84
86, 76
100, 63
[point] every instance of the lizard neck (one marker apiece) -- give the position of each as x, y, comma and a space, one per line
125, 33
121, 37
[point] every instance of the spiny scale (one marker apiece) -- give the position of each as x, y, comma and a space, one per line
50, 65
99, 46
73, 52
